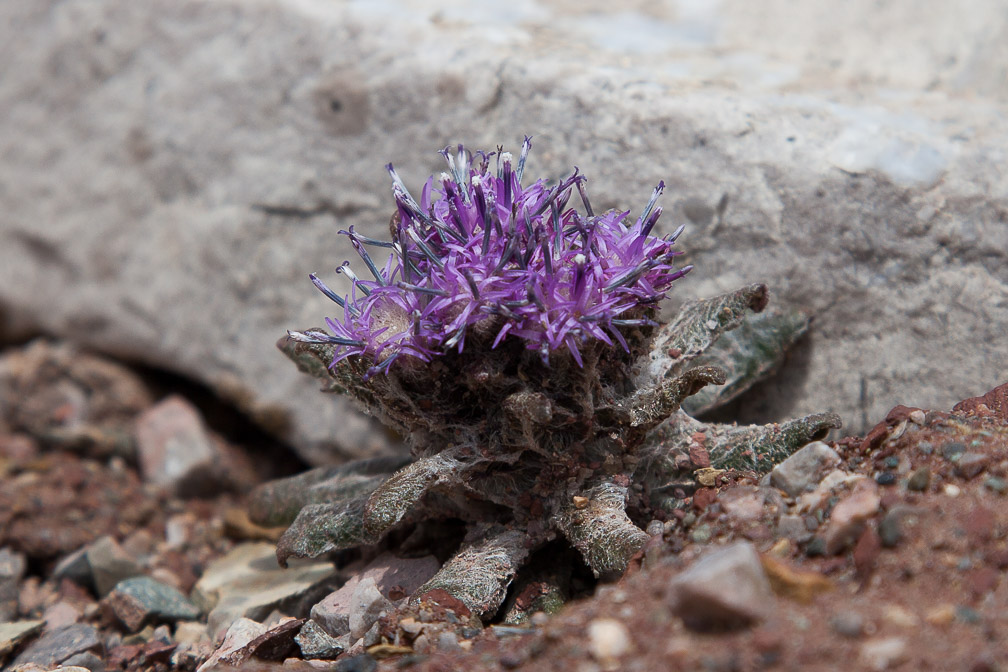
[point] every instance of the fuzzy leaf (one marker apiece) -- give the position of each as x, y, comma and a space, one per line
601, 530
666, 464
761, 447
480, 573
747, 354
394, 498
313, 359
321, 528
278, 502
650, 406
698, 325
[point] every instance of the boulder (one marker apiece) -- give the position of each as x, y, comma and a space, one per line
174, 169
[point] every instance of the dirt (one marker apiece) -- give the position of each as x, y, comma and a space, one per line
920, 583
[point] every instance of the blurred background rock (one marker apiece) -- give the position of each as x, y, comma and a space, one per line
172, 170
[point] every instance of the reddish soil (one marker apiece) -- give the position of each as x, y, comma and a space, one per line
922, 585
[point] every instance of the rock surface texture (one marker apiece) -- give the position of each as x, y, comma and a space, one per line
174, 169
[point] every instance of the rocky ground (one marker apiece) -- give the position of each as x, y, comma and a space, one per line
125, 544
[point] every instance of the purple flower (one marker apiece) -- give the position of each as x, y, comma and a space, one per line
478, 246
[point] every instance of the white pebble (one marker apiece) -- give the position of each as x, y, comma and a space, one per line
608, 638
882, 653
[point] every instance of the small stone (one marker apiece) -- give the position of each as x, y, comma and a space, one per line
919, 480
190, 632
982, 581
248, 582
725, 588
917, 417
967, 615
704, 497
708, 476
608, 639
141, 544
13, 633
447, 641
277, 643
60, 614
109, 565
232, 650
12, 569
900, 616
141, 637
952, 451
655, 528
866, 552
850, 516
360, 663
793, 527
178, 529
172, 443
746, 502
848, 624
802, 470
699, 456
952, 490
315, 643
372, 636
881, 653
75, 567
422, 643
943, 614
141, 599
815, 547
56, 646
580, 502
87, 660
401, 575
890, 529
886, 478
367, 605
176, 451
998, 485
971, 464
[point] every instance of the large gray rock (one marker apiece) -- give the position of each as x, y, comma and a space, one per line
174, 169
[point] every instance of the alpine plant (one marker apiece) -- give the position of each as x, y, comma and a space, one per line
478, 247
511, 338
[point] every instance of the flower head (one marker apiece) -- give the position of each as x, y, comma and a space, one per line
479, 246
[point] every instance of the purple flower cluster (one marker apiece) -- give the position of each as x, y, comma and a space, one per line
479, 245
